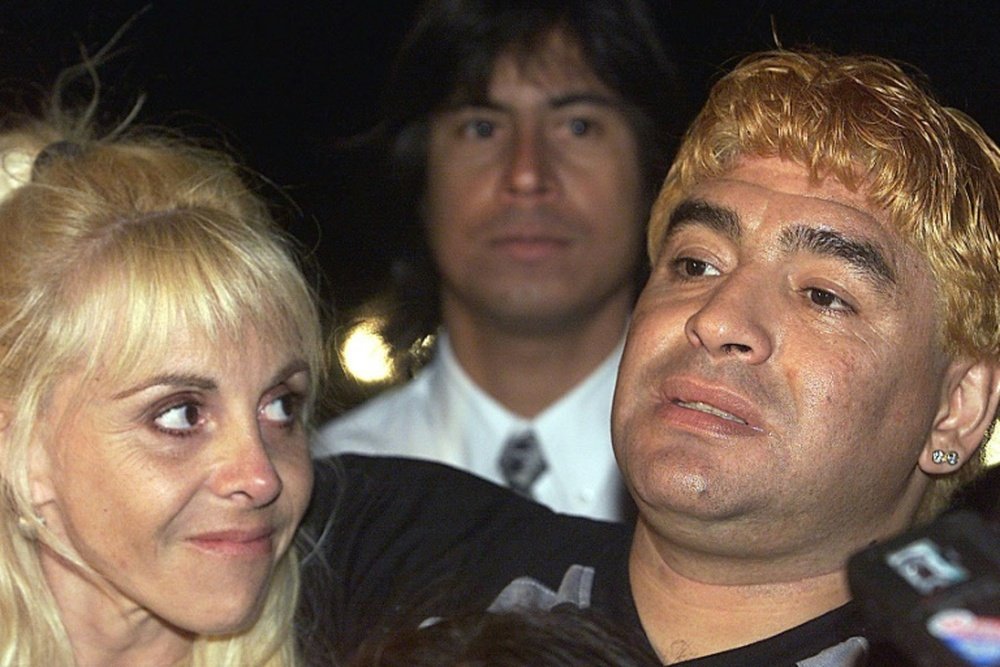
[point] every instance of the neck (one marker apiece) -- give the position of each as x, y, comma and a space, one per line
686, 618
103, 628
527, 370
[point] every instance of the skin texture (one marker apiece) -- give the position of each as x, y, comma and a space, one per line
795, 309
835, 369
533, 215
178, 488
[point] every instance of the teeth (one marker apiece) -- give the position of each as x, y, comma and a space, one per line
710, 409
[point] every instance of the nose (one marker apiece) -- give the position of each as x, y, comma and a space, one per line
529, 168
732, 322
244, 471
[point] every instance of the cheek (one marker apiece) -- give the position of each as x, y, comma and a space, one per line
830, 383
447, 221
654, 333
871, 394
109, 517
296, 473
455, 184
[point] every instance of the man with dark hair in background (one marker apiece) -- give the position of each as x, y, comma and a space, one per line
531, 137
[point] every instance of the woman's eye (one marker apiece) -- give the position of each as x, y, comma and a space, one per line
689, 267
179, 419
282, 410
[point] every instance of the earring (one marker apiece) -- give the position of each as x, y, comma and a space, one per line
29, 528
940, 456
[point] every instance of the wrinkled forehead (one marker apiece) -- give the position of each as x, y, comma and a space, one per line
784, 179
795, 191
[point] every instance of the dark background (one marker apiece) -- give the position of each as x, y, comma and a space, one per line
280, 82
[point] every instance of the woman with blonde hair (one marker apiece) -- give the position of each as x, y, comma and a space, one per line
159, 353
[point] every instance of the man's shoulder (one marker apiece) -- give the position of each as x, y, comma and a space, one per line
400, 534
431, 489
431, 517
376, 426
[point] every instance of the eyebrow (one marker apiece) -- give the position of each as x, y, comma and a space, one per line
170, 380
700, 212
866, 257
203, 383
596, 99
863, 255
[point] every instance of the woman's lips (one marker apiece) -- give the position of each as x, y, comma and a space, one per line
235, 542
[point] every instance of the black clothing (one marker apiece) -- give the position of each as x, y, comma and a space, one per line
409, 540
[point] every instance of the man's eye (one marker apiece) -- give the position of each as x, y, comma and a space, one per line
828, 300
282, 410
580, 126
689, 267
480, 129
179, 419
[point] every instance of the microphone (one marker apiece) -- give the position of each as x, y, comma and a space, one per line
933, 593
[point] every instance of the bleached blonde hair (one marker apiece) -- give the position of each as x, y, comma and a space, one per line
865, 122
106, 248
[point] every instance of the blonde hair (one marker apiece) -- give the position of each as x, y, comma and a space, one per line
106, 248
863, 121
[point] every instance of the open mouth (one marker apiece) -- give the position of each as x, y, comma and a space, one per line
709, 409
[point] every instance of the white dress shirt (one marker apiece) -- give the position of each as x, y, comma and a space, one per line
442, 415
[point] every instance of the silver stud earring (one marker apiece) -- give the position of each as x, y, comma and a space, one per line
940, 456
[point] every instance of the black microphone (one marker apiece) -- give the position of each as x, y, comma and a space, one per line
933, 593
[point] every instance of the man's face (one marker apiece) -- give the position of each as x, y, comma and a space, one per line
782, 370
533, 205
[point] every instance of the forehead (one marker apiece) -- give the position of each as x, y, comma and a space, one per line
781, 191
246, 354
556, 66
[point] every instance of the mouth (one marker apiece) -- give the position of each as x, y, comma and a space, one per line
531, 249
236, 542
710, 410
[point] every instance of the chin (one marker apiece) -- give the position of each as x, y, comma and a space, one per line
224, 622
220, 614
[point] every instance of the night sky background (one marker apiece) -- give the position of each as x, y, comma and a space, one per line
281, 83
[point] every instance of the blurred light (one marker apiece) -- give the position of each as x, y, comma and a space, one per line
993, 448
365, 355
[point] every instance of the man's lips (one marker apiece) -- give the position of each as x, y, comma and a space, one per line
529, 247
709, 409
236, 542
710, 406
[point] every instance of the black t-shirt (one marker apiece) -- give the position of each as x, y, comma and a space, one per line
400, 540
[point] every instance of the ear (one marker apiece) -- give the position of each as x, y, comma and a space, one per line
968, 406
41, 487
6, 416
39, 467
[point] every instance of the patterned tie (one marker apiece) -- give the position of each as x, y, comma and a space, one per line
521, 462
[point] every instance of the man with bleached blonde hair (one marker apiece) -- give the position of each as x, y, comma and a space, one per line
814, 361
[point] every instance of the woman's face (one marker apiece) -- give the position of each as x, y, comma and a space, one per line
180, 487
